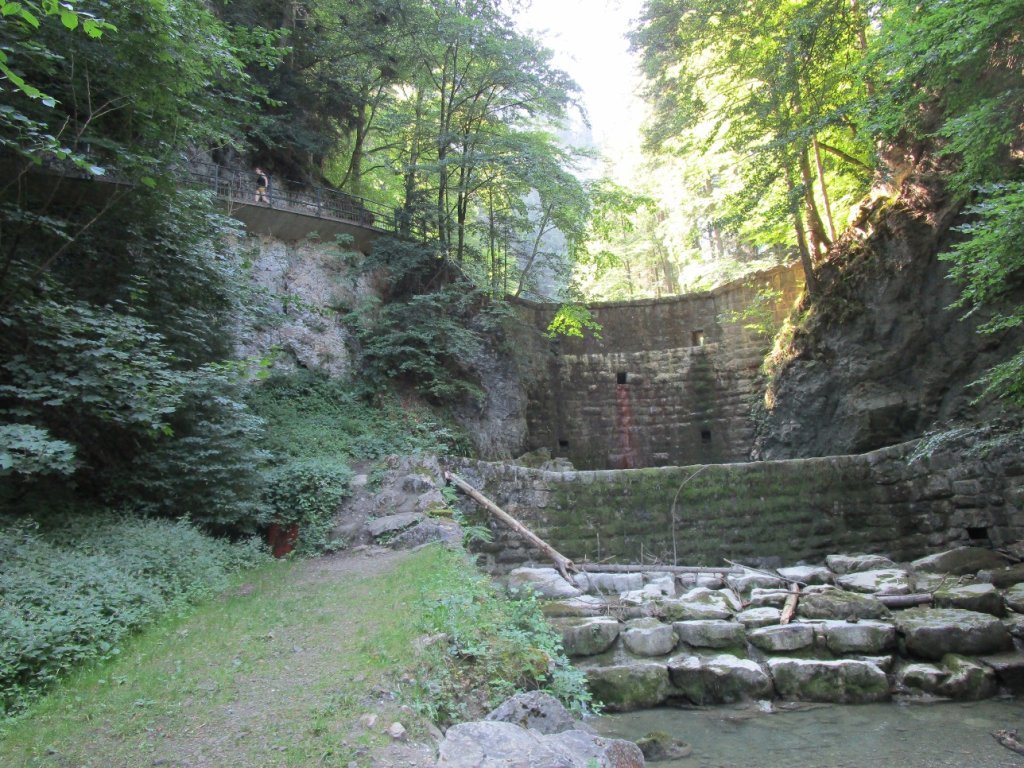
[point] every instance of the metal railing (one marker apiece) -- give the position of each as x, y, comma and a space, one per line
321, 202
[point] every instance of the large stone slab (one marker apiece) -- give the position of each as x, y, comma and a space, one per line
710, 633
807, 574
842, 564
961, 561
626, 687
721, 679
1004, 577
584, 605
648, 637
1014, 598
742, 584
956, 678
845, 681
983, 598
782, 638
608, 583
546, 582
588, 636
392, 524
931, 633
535, 710
752, 618
831, 603
1009, 669
700, 603
870, 637
883, 581
490, 744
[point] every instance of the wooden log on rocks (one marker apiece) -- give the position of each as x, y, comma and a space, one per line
636, 568
562, 563
790, 607
1010, 739
904, 601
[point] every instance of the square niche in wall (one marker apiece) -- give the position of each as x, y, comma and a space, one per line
697, 338
621, 377
705, 437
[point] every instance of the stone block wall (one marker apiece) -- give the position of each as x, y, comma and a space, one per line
771, 511
669, 382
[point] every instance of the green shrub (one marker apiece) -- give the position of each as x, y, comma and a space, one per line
495, 647
307, 492
73, 588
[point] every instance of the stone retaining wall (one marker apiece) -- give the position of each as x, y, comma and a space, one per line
670, 381
795, 510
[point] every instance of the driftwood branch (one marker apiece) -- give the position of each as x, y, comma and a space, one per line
562, 563
1010, 739
619, 568
790, 607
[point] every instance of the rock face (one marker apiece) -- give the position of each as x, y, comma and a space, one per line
864, 372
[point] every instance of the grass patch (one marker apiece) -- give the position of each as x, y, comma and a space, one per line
277, 670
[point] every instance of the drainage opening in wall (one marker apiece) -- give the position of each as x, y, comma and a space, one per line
620, 377
697, 338
705, 436
563, 443
977, 534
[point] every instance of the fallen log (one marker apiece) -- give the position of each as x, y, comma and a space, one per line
790, 607
562, 563
634, 568
904, 601
1010, 739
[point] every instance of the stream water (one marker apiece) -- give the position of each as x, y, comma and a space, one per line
936, 735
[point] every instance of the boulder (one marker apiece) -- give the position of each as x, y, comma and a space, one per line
752, 618
961, 561
535, 710
660, 746
775, 598
1003, 577
427, 531
665, 583
1014, 624
649, 637
831, 603
983, 598
807, 574
626, 687
722, 679
931, 633
699, 603
883, 581
710, 633
584, 605
505, 745
392, 524
956, 678
546, 582
1009, 669
744, 583
588, 636
608, 583
843, 564
647, 593
1014, 598
784, 637
871, 637
846, 681
708, 580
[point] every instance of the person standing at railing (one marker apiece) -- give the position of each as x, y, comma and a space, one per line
262, 182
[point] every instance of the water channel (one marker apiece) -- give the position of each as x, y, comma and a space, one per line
898, 735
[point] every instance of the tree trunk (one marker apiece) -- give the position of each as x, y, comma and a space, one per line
815, 225
824, 189
810, 281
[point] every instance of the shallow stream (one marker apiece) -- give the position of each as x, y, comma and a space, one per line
937, 735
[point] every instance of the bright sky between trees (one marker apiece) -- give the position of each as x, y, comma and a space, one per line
588, 38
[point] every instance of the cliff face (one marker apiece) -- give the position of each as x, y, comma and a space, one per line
878, 357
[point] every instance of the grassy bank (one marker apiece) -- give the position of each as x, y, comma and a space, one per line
278, 669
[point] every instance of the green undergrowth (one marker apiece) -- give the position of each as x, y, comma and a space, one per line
277, 669
72, 589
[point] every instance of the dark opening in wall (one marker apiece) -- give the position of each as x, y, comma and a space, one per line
705, 436
977, 534
620, 377
697, 338
563, 443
